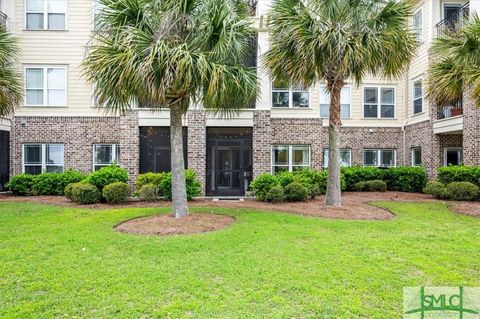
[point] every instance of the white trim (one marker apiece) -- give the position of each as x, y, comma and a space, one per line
379, 101
442, 13
114, 158
45, 13
43, 165
414, 81
326, 150
45, 84
421, 40
290, 165
459, 151
412, 152
290, 91
379, 156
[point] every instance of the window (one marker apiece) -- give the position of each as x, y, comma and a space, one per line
379, 158
345, 99
416, 156
104, 155
417, 97
46, 14
453, 156
285, 96
290, 157
379, 102
418, 26
39, 158
45, 86
345, 157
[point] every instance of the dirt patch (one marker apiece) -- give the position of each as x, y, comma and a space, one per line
466, 208
355, 205
166, 225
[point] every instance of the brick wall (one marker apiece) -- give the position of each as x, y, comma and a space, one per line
262, 135
421, 135
471, 131
130, 144
197, 147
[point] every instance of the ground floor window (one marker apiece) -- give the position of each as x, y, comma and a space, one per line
345, 157
453, 156
105, 154
417, 156
290, 157
39, 158
379, 157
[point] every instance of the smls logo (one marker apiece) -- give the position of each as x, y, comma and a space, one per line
441, 303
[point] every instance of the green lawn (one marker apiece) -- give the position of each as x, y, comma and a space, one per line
68, 263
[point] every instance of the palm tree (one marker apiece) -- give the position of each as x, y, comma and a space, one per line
333, 41
456, 56
172, 54
11, 87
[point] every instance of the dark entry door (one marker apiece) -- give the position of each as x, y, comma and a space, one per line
229, 167
4, 158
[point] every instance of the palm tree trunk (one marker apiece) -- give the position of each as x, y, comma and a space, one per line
334, 193
179, 190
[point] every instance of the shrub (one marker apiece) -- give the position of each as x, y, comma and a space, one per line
310, 179
354, 175
21, 184
192, 184
436, 189
285, 178
85, 193
116, 193
46, 184
295, 192
107, 175
148, 192
68, 177
322, 180
68, 191
360, 187
262, 185
149, 178
275, 194
376, 186
450, 174
405, 179
462, 191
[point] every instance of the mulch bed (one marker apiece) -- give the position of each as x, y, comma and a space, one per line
465, 208
165, 225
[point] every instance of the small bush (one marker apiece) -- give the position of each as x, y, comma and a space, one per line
376, 186
149, 178
295, 192
107, 175
68, 177
21, 185
192, 184
148, 192
46, 184
85, 193
284, 178
354, 175
275, 194
262, 185
405, 179
360, 187
310, 179
462, 191
68, 191
450, 174
436, 189
116, 193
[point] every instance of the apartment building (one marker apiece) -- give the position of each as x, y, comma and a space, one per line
385, 123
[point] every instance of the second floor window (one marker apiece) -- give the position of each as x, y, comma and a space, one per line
45, 86
45, 14
379, 102
104, 155
285, 96
418, 26
417, 97
345, 99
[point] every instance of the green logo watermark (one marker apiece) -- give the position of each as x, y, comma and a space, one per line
441, 303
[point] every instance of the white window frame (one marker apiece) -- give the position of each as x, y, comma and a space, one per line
45, 84
459, 151
413, 149
43, 155
290, 90
326, 154
290, 157
380, 156
45, 13
418, 29
379, 102
415, 81
323, 92
115, 151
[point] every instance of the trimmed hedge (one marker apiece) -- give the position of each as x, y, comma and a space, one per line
116, 193
85, 193
436, 189
21, 184
354, 175
262, 185
148, 192
164, 183
54, 183
275, 194
107, 175
149, 178
462, 191
450, 174
296, 192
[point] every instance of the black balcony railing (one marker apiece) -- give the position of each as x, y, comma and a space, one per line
252, 4
3, 21
455, 109
454, 21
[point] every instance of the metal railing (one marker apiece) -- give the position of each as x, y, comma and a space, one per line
454, 21
455, 109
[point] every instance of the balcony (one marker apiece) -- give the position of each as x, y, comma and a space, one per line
3, 21
454, 21
449, 119
449, 111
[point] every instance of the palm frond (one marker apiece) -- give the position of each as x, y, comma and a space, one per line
11, 86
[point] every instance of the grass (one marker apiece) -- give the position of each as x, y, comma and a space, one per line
68, 263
